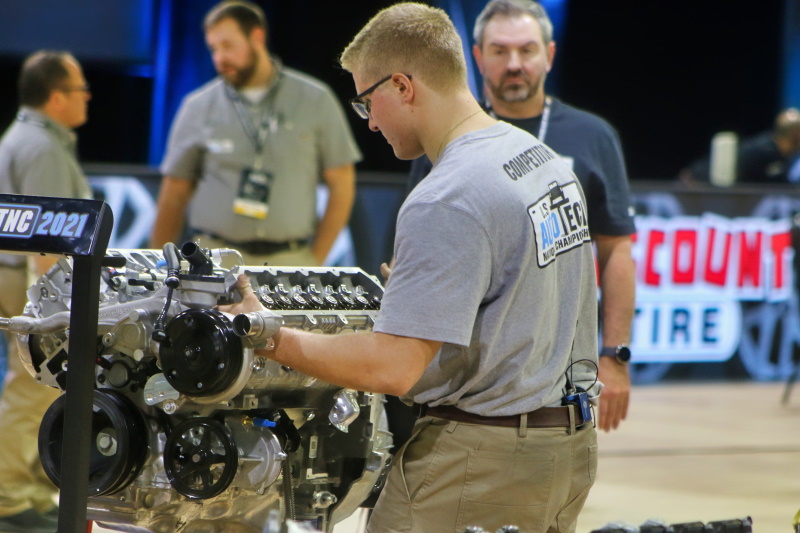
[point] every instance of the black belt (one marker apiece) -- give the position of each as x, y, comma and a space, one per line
546, 417
259, 247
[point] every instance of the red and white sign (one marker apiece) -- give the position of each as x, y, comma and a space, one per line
692, 272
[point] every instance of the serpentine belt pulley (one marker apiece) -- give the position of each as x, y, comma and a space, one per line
200, 458
119, 442
201, 356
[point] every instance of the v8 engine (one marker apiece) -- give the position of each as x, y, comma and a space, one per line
191, 430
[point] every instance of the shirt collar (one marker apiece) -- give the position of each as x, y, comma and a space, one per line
33, 116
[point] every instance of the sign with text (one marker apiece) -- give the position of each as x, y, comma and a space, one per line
35, 224
709, 275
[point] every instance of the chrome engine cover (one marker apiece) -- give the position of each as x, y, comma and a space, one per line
193, 432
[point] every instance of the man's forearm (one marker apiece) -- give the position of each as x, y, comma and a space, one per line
337, 214
166, 228
617, 296
367, 361
173, 199
618, 303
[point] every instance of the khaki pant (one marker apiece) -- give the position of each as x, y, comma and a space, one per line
452, 475
301, 257
23, 483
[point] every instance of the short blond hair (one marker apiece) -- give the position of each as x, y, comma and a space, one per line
413, 39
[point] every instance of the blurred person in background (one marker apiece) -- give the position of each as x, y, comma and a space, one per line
247, 151
768, 157
37, 158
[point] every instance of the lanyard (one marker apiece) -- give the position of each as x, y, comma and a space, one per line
545, 117
267, 122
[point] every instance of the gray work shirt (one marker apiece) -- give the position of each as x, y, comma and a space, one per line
38, 158
493, 258
306, 133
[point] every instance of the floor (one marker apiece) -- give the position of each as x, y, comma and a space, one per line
701, 452
695, 452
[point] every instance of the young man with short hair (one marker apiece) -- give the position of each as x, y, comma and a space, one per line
514, 50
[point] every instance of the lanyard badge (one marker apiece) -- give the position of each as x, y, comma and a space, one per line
252, 199
255, 184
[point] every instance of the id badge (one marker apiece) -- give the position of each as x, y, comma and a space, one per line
253, 197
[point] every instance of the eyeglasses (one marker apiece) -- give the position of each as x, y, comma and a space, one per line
361, 106
85, 88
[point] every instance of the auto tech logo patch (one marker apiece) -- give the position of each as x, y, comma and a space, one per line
559, 221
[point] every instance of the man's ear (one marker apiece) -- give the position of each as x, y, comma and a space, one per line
55, 101
258, 37
404, 86
551, 54
477, 53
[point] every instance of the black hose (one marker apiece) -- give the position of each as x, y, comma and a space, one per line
172, 282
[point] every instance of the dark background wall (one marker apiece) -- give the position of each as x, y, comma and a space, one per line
667, 75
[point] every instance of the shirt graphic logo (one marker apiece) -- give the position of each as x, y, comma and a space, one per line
559, 222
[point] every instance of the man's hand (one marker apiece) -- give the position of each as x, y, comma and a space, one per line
386, 270
250, 301
618, 303
615, 394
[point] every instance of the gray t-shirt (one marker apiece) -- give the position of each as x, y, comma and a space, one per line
493, 258
37, 158
306, 133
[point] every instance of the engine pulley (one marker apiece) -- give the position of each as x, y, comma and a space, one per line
200, 458
201, 356
119, 442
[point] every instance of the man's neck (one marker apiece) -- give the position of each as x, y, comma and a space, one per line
51, 113
263, 76
533, 107
453, 117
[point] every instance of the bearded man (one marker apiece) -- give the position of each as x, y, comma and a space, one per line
247, 150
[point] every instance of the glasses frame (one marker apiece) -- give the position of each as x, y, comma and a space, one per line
361, 106
85, 88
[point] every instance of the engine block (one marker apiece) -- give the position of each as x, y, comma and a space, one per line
192, 430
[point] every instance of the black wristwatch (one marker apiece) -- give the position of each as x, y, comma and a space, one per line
621, 353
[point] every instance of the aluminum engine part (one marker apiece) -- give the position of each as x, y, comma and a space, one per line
192, 430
